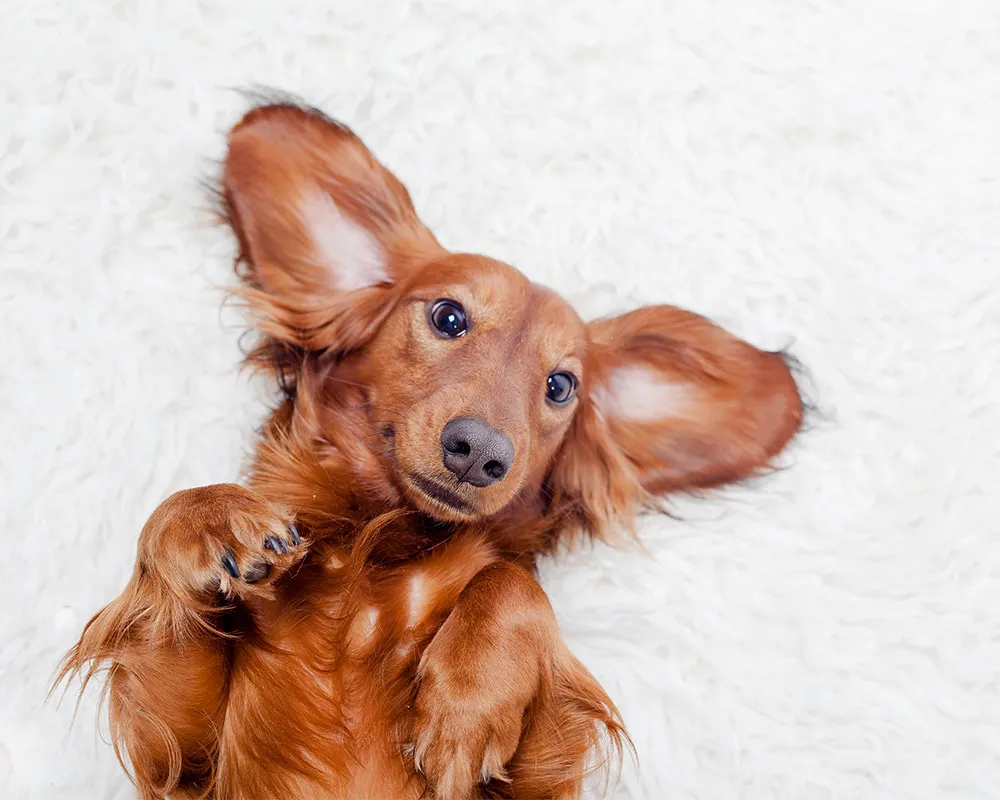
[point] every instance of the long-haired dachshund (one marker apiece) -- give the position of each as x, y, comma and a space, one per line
364, 620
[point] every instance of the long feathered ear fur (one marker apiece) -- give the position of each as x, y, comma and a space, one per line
325, 232
672, 403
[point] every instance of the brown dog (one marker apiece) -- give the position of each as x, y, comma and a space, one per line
364, 621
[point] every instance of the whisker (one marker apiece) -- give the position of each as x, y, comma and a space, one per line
399, 414
345, 381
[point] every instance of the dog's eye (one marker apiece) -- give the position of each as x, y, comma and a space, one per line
560, 388
448, 319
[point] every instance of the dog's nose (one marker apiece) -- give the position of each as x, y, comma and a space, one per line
475, 452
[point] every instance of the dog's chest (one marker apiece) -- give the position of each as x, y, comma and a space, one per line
352, 651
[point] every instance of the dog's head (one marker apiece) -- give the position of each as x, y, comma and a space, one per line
484, 389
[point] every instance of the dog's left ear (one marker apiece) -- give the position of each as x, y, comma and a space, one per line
671, 402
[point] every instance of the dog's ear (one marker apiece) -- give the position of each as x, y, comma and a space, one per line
671, 402
324, 228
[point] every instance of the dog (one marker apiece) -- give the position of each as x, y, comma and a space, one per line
363, 619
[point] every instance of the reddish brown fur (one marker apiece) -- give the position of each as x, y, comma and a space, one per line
404, 646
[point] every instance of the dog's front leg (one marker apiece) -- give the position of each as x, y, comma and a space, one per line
490, 659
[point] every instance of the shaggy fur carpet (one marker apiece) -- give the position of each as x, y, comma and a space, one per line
819, 175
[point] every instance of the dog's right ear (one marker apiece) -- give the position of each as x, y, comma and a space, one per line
324, 229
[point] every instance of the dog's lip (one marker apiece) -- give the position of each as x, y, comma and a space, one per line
442, 494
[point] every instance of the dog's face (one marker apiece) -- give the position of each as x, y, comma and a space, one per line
473, 381
485, 390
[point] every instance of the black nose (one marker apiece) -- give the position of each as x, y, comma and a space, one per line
475, 452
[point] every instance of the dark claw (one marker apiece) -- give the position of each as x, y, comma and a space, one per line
276, 545
296, 540
257, 572
230, 564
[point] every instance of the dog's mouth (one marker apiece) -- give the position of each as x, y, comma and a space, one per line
441, 494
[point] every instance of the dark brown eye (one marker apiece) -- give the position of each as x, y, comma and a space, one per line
448, 318
560, 387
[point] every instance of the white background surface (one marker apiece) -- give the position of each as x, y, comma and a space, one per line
823, 173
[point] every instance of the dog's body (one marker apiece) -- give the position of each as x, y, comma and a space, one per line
317, 696
363, 620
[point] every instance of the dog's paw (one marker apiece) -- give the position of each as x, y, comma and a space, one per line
261, 549
221, 538
461, 741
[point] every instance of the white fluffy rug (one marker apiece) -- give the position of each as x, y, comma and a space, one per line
825, 174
